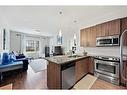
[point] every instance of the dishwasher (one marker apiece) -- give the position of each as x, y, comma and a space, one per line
68, 75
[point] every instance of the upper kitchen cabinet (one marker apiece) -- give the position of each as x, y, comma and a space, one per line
123, 27
82, 37
88, 37
105, 29
109, 28
98, 30
123, 24
93, 36
114, 27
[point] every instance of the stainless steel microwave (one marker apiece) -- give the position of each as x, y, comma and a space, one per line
107, 41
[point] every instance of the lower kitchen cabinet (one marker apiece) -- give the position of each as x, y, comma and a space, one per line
81, 68
91, 65
59, 74
53, 76
123, 82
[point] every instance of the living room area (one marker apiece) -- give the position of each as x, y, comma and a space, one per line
22, 64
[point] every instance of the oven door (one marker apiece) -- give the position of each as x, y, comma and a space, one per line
108, 68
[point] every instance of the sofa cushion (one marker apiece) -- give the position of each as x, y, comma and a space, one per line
5, 58
20, 56
12, 57
11, 66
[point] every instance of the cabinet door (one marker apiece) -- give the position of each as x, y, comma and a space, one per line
93, 36
91, 65
86, 38
53, 76
123, 82
88, 32
123, 24
114, 27
81, 68
82, 37
99, 30
104, 29
124, 27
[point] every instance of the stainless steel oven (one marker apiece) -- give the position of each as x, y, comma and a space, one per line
107, 68
107, 41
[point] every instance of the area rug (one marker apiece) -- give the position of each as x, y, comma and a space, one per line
85, 83
38, 65
6, 87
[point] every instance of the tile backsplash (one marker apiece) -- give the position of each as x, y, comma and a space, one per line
106, 51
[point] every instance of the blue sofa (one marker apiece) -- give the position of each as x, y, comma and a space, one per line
10, 62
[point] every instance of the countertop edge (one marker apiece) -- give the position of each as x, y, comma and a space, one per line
60, 63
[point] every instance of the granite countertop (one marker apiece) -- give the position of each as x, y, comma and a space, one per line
63, 59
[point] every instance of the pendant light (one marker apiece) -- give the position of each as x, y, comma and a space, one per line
59, 37
60, 31
75, 37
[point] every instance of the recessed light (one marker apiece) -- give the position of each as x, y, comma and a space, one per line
75, 21
60, 12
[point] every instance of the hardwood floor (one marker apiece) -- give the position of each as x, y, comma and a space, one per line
28, 80
100, 84
31, 80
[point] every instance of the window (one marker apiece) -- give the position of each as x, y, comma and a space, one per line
37, 45
32, 46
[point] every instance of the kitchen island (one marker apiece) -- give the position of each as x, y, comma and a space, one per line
64, 71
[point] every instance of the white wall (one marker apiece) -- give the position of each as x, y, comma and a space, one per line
31, 20
107, 51
15, 41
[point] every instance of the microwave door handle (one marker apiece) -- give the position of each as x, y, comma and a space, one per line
112, 41
121, 56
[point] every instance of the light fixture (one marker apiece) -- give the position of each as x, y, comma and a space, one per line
75, 36
59, 36
60, 31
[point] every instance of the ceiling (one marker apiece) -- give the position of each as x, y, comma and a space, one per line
47, 19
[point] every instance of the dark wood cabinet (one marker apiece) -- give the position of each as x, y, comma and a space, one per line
123, 27
123, 24
93, 36
114, 27
99, 30
53, 76
82, 37
87, 36
81, 68
122, 82
91, 65
105, 29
